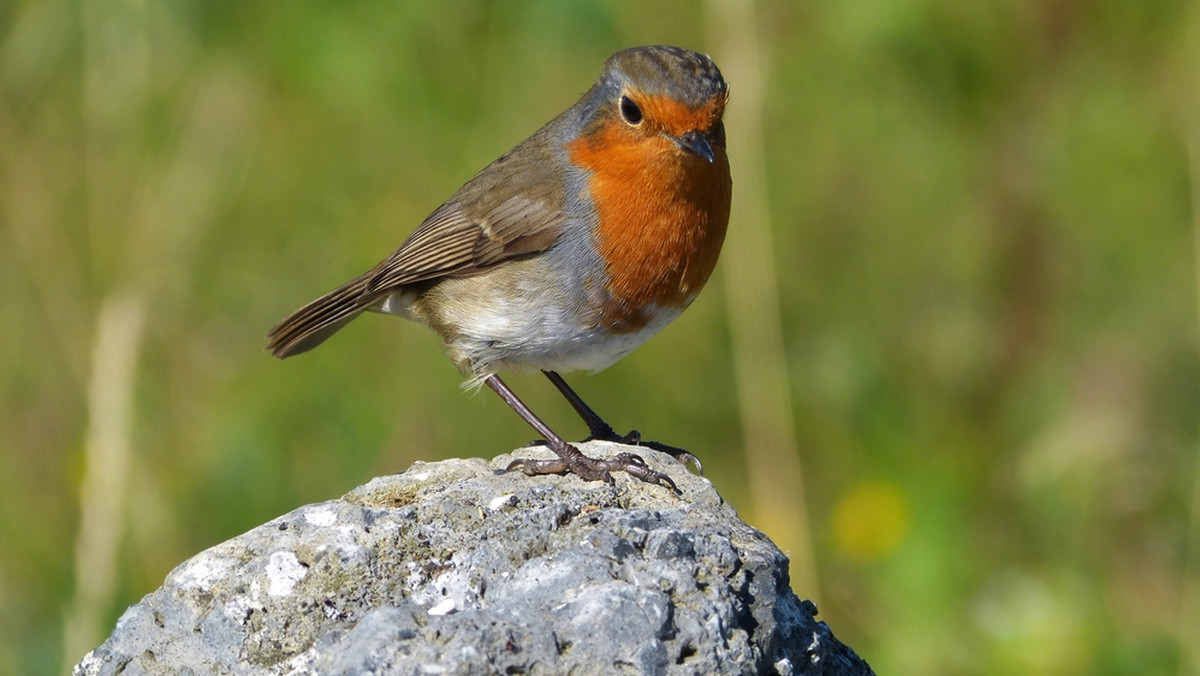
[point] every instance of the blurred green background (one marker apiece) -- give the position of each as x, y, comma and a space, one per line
983, 219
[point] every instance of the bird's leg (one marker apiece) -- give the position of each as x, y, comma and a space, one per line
598, 429
571, 459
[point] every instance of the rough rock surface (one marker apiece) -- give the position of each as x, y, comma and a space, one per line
454, 568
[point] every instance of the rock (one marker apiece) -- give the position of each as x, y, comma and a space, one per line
455, 568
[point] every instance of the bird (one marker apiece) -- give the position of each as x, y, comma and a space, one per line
569, 250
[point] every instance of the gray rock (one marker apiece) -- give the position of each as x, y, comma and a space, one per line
454, 568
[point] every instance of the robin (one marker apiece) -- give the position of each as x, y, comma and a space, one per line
568, 251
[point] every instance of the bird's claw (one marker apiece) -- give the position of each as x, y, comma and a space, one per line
573, 461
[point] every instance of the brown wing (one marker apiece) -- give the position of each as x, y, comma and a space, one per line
451, 242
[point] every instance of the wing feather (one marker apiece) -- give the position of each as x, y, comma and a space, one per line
452, 242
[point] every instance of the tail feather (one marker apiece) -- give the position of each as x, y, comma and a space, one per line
309, 326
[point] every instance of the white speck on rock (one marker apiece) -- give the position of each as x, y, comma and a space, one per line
284, 570
301, 664
812, 647
501, 501
239, 608
90, 664
202, 571
322, 516
445, 607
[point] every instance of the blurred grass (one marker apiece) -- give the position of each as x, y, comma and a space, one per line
983, 229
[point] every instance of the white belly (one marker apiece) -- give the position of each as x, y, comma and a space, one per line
521, 327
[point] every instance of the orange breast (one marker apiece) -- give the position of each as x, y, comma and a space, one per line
662, 219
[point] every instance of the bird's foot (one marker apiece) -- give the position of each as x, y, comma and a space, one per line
572, 460
634, 438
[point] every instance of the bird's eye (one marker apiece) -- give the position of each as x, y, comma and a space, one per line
630, 111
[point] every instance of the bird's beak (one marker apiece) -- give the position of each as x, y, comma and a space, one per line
696, 143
